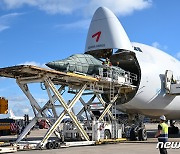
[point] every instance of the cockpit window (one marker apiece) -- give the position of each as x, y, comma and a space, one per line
138, 49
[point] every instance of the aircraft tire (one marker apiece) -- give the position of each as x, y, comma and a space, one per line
107, 134
133, 135
142, 134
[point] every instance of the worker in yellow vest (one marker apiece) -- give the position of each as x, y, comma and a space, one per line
107, 62
162, 134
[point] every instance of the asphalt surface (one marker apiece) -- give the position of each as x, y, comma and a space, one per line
135, 147
120, 148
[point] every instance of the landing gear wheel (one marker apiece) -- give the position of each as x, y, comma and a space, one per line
107, 134
142, 134
133, 135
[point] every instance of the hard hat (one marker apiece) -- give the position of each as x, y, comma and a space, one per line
163, 118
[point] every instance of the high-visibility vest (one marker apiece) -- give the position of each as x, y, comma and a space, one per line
164, 133
107, 62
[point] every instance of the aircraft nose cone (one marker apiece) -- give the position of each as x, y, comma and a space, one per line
106, 32
57, 65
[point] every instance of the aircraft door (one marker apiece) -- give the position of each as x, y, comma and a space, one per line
168, 79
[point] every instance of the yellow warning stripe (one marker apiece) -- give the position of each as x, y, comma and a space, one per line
101, 141
82, 76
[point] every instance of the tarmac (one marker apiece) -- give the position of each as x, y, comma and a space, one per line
119, 148
127, 147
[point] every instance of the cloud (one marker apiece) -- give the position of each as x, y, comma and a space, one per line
26, 110
49, 6
20, 109
24, 99
12, 4
164, 47
156, 44
5, 20
159, 46
6, 17
41, 100
2, 78
84, 8
33, 63
20, 104
79, 24
17, 99
3, 27
87, 7
119, 7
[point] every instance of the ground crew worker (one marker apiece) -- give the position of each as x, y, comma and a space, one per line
107, 62
162, 134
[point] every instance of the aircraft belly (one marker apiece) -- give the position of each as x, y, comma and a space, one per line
154, 103
156, 113
161, 105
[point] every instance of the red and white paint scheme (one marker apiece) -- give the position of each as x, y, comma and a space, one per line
109, 32
156, 94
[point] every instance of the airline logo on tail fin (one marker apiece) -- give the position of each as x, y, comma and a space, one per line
97, 35
106, 32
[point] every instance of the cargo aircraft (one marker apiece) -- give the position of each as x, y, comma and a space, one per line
158, 87
158, 74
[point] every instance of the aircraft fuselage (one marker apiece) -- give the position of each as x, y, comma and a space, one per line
151, 98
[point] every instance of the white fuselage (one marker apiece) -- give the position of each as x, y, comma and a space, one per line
151, 98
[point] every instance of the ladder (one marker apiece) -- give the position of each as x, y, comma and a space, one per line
111, 87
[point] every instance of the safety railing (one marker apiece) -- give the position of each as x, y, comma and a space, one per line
112, 73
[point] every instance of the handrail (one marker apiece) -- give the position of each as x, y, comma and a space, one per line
113, 73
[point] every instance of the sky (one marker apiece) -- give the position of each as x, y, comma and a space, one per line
39, 31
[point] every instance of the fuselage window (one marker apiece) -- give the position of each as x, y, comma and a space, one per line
138, 49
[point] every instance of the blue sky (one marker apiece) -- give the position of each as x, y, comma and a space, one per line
39, 31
